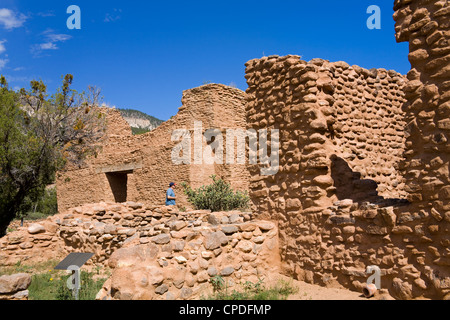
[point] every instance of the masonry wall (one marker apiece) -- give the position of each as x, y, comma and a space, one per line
337, 123
146, 159
426, 26
339, 197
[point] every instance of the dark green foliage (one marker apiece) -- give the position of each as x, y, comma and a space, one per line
216, 197
45, 206
38, 136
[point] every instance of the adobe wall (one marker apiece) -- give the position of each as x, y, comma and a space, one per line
147, 159
339, 197
337, 123
426, 26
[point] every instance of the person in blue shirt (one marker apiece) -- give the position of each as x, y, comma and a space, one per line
170, 195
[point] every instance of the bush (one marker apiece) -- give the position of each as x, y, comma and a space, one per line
216, 197
251, 291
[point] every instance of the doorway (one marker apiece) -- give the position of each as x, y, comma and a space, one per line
118, 182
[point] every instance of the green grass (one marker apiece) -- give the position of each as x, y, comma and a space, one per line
50, 284
251, 291
53, 286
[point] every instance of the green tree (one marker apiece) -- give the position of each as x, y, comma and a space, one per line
39, 135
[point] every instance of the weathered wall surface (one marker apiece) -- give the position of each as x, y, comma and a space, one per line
426, 25
154, 252
144, 164
336, 122
338, 195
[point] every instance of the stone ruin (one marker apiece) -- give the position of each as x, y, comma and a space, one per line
140, 168
154, 252
363, 179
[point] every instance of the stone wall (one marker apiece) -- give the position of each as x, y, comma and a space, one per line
140, 168
339, 197
336, 122
154, 252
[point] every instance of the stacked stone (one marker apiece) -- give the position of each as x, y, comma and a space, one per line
370, 124
26, 243
180, 263
186, 248
426, 26
283, 94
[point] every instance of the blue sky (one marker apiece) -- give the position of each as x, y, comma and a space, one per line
143, 54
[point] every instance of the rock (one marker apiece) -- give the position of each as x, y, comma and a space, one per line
98, 210
21, 295
235, 218
229, 229
26, 245
215, 240
265, 226
212, 271
259, 239
36, 228
161, 289
228, 271
185, 293
10, 284
213, 219
178, 246
401, 290
181, 259
245, 246
207, 255
177, 225
163, 238
134, 205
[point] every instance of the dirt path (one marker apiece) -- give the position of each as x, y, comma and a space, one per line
308, 291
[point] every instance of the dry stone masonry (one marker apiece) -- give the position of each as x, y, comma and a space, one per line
364, 162
154, 252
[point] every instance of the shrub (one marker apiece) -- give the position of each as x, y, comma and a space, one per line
219, 196
251, 291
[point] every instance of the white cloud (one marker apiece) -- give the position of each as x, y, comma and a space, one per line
48, 46
2, 46
11, 20
51, 39
3, 63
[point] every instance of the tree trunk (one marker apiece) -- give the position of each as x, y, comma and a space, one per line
5, 220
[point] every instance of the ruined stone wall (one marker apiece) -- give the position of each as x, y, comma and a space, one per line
426, 26
144, 162
341, 132
338, 196
154, 252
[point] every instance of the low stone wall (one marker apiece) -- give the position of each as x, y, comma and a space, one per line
155, 252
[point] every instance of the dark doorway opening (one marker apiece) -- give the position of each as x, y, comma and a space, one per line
118, 182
